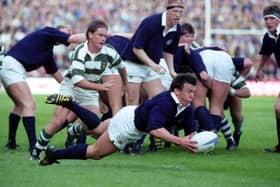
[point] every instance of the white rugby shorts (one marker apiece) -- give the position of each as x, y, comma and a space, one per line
218, 64
165, 78
12, 71
80, 95
138, 73
122, 129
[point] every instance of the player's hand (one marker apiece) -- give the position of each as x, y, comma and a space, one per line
204, 75
187, 48
158, 68
188, 144
106, 85
173, 74
259, 76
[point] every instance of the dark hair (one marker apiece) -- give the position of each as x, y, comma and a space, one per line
187, 28
182, 78
94, 25
272, 9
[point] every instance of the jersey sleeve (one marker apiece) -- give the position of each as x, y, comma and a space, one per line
57, 36
158, 117
266, 48
51, 67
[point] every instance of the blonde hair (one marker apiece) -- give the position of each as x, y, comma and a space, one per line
175, 3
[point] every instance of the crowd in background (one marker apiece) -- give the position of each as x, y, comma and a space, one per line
19, 17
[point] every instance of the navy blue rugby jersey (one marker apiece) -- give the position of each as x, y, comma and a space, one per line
149, 37
184, 62
160, 112
271, 45
36, 49
118, 42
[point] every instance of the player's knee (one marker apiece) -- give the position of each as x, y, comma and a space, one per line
93, 153
30, 105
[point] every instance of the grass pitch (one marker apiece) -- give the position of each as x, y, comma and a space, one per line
247, 166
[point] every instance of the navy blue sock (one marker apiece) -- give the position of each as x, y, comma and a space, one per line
90, 119
217, 122
29, 125
204, 118
13, 126
77, 152
81, 139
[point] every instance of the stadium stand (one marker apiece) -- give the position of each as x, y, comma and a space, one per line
19, 17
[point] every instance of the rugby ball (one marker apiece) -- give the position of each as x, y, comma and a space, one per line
206, 141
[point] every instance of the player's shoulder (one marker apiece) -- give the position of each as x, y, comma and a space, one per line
79, 52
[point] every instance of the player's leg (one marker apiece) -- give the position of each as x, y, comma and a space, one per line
58, 121
132, 94
100, 149
276, 149
14, 119
222, 75
202, 114
219, 93
22, 98
89, 118
237, 117
115, 94
121, 131
13, 77
153, 87
226, 131
135, 76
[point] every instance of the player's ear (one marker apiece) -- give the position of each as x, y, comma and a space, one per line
90, 35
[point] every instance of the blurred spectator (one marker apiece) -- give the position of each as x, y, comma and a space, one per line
19, 17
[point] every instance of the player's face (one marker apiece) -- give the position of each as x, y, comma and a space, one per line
271, 23
173, 16
187, 38
185, 95
97, 39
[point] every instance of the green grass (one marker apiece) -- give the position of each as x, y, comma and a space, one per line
247, 166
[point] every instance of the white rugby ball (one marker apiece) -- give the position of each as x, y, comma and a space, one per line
206, 141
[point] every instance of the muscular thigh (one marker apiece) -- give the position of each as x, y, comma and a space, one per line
153, 87
200, 95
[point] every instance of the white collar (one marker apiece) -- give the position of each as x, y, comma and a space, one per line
163, 23
277, 33
92, 55
177, 100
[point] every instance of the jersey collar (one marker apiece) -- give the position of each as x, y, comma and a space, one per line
163, 24
277, 33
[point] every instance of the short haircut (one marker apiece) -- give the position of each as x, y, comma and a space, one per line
272, 10
94, 25
175, 3
182, 78
62, 27
187, 28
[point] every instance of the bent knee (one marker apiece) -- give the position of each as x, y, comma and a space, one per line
93, 153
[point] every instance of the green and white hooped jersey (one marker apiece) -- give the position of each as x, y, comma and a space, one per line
238, 81
89, 66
